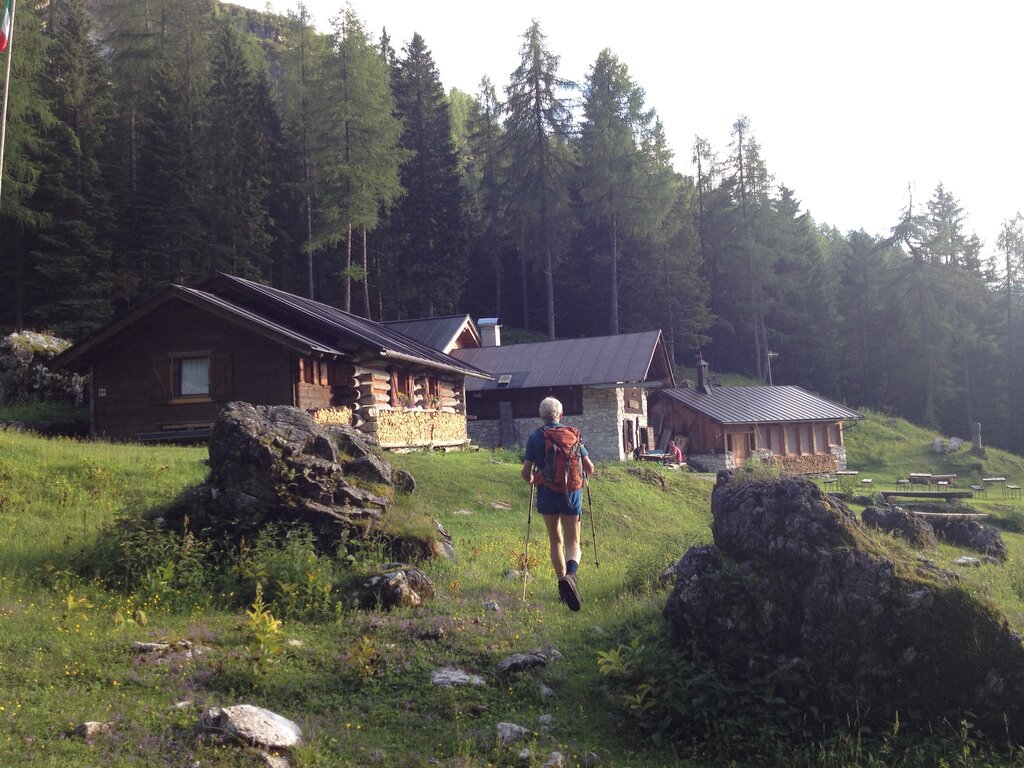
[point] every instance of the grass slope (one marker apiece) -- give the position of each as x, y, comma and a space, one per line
359, 684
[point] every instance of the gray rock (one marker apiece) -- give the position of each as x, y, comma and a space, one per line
91, 729
545, 691
518, 662
970, 562
490, 605
25, 376
510, 733
274, 761
792, 586
545, 720
401, 588
525, 754
252, 725
971, 534
555, 760
404, 481
591, 759
900, 522
448, 677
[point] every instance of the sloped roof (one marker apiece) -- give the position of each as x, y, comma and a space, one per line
602, 360
436, 332
301, 324
761, 405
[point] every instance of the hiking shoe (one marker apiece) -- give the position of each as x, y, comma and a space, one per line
568, 592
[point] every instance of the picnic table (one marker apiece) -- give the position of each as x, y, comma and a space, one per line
920, 478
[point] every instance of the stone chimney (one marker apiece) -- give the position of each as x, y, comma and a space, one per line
703, 377
490, 332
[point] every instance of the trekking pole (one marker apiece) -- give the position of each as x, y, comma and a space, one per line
593, 529
526, 549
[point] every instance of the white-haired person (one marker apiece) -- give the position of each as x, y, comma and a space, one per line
555, 460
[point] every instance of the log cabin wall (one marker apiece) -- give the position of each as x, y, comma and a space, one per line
132, 387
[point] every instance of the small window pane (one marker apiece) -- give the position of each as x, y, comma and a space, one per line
195, 376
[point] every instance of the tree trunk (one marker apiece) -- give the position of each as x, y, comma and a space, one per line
615, 276
348, 268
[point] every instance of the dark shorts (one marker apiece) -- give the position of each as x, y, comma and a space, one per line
552, 503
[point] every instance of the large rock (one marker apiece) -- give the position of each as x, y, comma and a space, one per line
24, 375
252, 725
972, 535
902, 523
274, 464
791, 590
400, 587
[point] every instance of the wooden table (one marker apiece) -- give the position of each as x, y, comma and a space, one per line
920, 478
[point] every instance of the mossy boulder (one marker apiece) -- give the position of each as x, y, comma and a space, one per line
797, 590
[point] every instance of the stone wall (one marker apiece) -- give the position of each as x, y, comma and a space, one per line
600, 424
711, 462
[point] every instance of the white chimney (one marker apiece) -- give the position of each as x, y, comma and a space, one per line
490, 332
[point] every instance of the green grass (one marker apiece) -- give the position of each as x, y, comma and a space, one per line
359, 683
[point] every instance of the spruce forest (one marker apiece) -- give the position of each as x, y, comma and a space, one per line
156, 142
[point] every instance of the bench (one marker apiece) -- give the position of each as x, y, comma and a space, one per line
945, 495
1013, 491
979, 490
178, 432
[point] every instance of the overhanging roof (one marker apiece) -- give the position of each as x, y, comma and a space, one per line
760, 405
625, 359
439, 333
304, 325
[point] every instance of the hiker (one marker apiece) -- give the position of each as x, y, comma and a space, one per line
672, 454
559, 484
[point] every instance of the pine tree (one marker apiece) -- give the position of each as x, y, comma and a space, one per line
538, 136
29, 118
626, 179
237, 145
428, 224
71, 252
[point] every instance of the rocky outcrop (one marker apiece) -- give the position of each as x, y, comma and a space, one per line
971, 534
902, 523
791, 590
24, 375
276, 465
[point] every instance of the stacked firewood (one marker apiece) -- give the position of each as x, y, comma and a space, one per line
332, 416
419, 427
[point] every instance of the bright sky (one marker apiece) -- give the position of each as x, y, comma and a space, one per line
853, 103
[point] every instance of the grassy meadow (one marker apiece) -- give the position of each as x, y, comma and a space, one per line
75, 594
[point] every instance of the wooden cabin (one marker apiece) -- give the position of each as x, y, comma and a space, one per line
602, 382
721, 427
163, 371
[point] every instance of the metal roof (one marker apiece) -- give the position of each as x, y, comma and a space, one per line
298, 313
621, 359
761, 405
438, 333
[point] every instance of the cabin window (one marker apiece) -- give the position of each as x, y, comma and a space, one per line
193, 377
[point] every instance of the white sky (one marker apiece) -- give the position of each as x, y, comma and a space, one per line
850, 101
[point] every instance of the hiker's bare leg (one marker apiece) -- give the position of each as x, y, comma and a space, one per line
571, 532
553, 524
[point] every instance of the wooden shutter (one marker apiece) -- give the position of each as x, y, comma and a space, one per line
221, 381
161, 378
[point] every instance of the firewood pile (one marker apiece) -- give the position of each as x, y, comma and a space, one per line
332, 416
400, 427
805, 465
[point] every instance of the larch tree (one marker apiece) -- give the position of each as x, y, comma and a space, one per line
538, 136
362, 172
